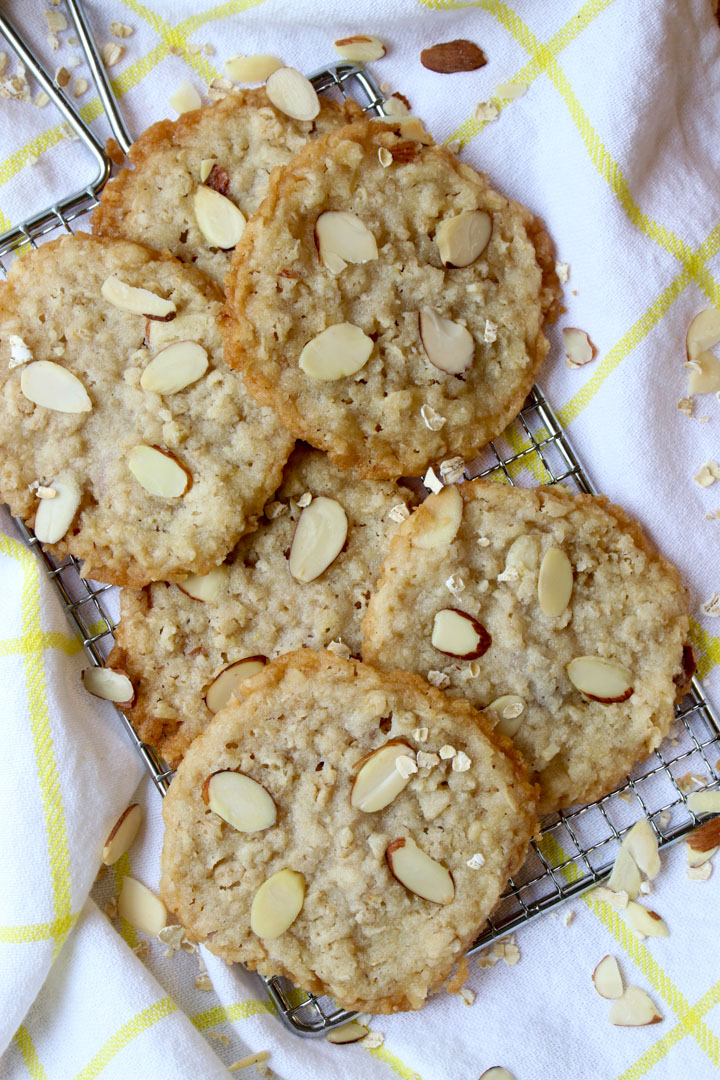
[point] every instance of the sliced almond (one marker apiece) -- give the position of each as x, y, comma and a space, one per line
185, 98
703, 333
362, 48
141, 907
158, 471
342, 238
448, 346
646, 922
642, 844
379, 781
239, 800
704, 374
418, 872
448, 57
523, 554
444, 510
252, 69
206, 167
510, 91
226, 684
206, 587
175, 367
634, 1009
463, 238
293, 94
508, 709
111, 684
700, 801
456, 633
218, 218
54, 387
497, 1073
122, 834
579, 349
347, 1033
555, 582
607, 978
137, 301
335, 353
54, 517
319, 538
698, 858
706, 837
602, 680
625, 876
277, 904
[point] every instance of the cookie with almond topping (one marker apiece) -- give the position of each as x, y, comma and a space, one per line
191, 182
124, 438
551, 611
387, 302
184, 646
349, 829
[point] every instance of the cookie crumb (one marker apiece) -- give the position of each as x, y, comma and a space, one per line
685, 405
467, 995
476, 861
202, 981
711, 607
433, 420
401, 512
485, 112
707, 474
562, 269
438, 679
490, 332
372, 1040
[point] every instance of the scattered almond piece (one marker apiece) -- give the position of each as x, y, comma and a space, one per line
41, 100
251, 69
361, 49
497, 1073
579, 349
704, 802
607, 978
185, 98
634, 1009
347, 1033
111, 684
625, 876
249, 1059
122, 834
62, 77
120, 30
706, 837
642, 844
141, 907
685, 405
448, 57
510, 91
645, 922
80, 87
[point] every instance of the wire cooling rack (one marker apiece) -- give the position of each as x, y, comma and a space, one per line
578, 846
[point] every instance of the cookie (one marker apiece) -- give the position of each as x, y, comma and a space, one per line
344, 317
230, 147
387, 871
502, 592
151, 459
174, 647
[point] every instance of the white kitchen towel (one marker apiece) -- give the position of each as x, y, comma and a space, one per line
616, 145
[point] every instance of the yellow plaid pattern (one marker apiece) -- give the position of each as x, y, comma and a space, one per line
543, 61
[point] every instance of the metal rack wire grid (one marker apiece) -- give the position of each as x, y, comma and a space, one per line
577, 847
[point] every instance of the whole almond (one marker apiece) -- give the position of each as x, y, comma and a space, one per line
450, 56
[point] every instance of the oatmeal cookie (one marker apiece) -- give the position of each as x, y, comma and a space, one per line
165, 460
388, 303
230, 147
174, 646
534, 581
389, 866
